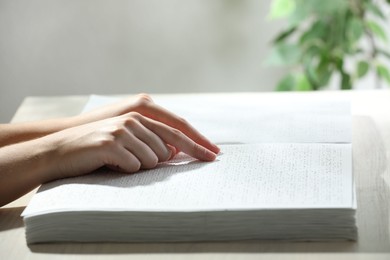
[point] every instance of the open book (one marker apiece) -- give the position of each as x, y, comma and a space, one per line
284, 172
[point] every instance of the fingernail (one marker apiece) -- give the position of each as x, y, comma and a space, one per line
216, 148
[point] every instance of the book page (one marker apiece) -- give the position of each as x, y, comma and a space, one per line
244, 177
232, 121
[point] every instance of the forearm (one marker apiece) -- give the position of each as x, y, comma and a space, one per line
19, 132
23, 167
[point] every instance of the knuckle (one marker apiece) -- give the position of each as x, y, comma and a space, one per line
195, 147
183, 121
108, 137
107, 143
118, 130
198, 149
176, 133
143, 99
132, 120
134, 114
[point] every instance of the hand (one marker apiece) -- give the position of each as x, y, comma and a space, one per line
130, 135
129, 142
144, 105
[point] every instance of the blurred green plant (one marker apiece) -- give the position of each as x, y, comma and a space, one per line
330, 38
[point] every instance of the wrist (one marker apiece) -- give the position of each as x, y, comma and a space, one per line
43, 159
23, 167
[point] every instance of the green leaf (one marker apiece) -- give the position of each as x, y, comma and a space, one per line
311, 75
346, 81
311, 52
317, 31
338, 62
362, 68
312, 78
286, 84
377, 30
355, 29
302, 83
299, 16
383, 72
281, 8
324, 71
318, 65
285, 34
324, 77
297, 81
318, 9
322, 8
284, 54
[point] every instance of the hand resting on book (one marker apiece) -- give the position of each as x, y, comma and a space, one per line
129, 135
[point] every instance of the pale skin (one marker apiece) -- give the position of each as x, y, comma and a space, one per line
128, 136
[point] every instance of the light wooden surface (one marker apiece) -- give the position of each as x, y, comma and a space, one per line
371, 157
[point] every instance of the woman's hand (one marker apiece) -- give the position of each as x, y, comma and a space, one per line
130, 135
129, 142
144, 105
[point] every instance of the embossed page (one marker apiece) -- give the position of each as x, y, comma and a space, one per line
253, 177
230, 120
235, 120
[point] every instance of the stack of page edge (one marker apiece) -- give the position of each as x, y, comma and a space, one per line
284, 172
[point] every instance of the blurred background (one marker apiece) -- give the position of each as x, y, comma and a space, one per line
70, 47
73, 47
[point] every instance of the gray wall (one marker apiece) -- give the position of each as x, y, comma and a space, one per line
66, 47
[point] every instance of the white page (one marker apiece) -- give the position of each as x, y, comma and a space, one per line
258, 176
229, 120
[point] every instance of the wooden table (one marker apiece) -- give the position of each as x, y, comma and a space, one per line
371, 165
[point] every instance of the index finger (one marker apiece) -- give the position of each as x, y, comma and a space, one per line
160, 114
176, 138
